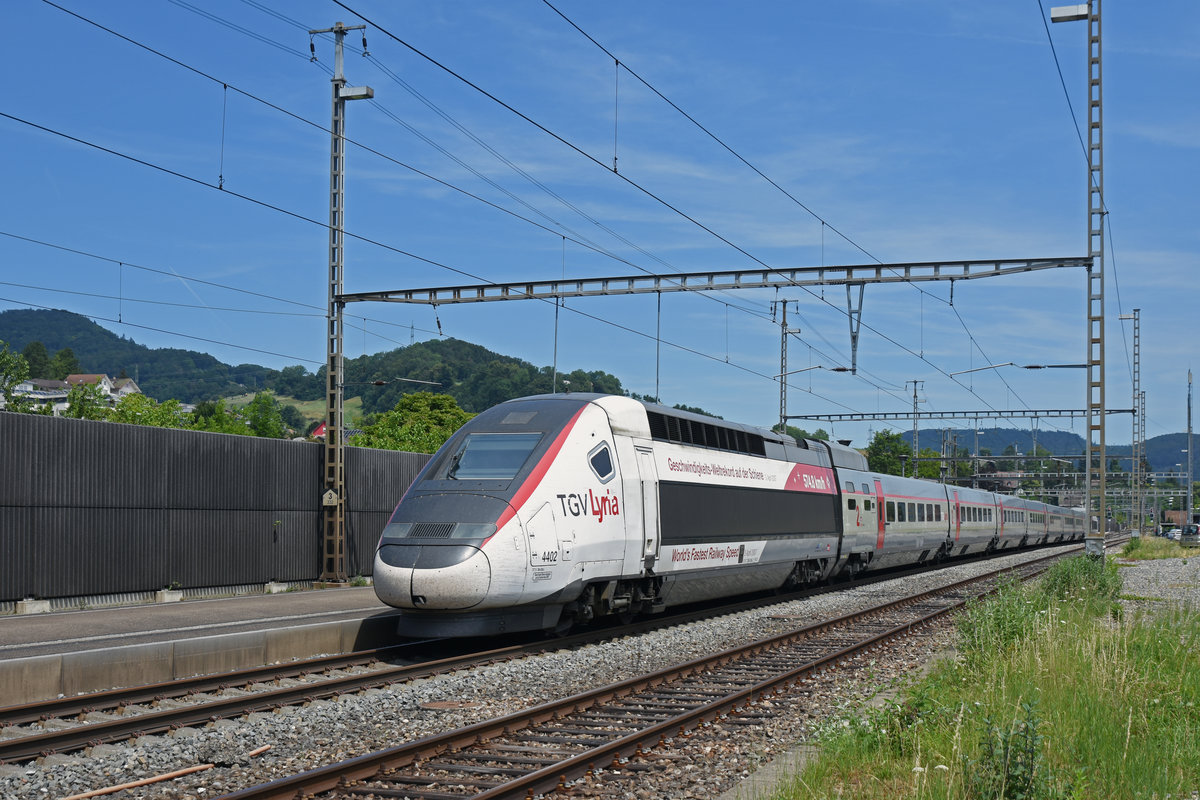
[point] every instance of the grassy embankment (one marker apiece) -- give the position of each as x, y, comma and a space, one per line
1055, 694
1148, 548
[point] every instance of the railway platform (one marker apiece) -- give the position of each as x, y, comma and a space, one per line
83, 650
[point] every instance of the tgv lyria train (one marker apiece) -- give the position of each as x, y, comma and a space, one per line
550, 510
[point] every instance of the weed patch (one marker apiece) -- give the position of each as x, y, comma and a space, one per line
1051, 697
1147, 548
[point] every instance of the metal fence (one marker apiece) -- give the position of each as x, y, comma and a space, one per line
94, 508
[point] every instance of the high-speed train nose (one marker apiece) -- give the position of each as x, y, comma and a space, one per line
431, 577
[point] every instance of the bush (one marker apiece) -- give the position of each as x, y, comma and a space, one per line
1012, 762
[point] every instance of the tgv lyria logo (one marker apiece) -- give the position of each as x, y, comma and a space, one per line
589, 503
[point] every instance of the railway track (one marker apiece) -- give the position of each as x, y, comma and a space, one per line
72, 724
543, 749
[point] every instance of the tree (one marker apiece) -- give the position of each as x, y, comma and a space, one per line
1009, 465
292, 417
928, 469
263, 416
297, 382
63, 364
38, 360
800, 433
138, 409
420, 423
696, 410
212, 416
884, 451
13, 371
86, 401
964, 467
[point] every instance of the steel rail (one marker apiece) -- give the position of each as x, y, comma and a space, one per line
62, 707
342, 775
91, 733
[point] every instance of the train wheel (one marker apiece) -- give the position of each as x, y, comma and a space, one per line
565, 623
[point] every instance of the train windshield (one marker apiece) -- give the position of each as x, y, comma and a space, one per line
489, 457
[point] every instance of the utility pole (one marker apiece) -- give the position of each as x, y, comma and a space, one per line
947, 458
783, 370
1187, 483
1135, 474
915, 449
1139, 411
1094, 450
333, 499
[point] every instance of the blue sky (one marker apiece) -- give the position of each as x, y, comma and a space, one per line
922, 131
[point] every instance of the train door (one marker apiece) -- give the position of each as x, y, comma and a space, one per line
880, 519
852, 517
649, 482
868, 512
542, 533
957, 512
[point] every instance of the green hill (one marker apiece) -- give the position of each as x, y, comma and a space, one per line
476, 377
161, 373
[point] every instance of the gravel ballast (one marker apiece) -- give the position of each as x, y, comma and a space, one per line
715, 760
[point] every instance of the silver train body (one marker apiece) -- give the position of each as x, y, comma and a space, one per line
551, 510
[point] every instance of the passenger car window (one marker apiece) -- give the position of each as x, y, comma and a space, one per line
851, 504
891, 511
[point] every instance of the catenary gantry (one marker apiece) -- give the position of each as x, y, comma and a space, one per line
719, 280
1028, 413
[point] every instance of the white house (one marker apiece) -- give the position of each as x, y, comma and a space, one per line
40, 391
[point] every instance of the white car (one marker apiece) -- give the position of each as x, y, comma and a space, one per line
1174, 533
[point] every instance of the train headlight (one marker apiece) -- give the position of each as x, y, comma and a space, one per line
396, 530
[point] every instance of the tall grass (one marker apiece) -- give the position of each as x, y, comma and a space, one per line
1052, 696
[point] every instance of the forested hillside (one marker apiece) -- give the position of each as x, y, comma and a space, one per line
476, 377
162, 373
1162, 452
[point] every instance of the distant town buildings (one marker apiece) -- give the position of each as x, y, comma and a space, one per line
42, 391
